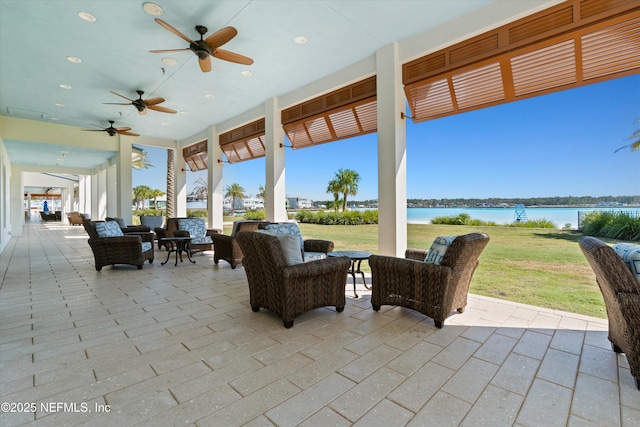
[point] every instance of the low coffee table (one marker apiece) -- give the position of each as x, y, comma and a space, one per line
178, 245
356, 257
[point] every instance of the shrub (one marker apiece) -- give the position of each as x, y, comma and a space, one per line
614, 225
534, 223
460, 219
258, 214
338, 218
197, 213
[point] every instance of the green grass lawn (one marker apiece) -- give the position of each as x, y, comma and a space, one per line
541, 267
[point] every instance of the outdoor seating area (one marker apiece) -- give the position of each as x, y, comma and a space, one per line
187, 227
166, 346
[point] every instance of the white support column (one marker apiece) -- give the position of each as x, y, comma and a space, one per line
392, 150
124, 186
275, 202
101, 194
214, 180
16, 190
112, 189
180, 181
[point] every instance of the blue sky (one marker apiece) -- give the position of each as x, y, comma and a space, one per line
554, 145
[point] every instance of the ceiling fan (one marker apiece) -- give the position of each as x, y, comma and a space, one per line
208, 47
142, 104
112, 131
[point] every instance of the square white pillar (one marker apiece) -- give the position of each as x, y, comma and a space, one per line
392, 152
275, 202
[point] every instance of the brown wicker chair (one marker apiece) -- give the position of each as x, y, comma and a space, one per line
621, 295
126, 249
227, 247
289, 291
434, 290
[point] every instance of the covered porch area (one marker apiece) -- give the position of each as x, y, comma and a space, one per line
180, 346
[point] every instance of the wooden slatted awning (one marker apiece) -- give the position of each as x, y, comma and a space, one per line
575, 43
196, 156
344, 113
244, 143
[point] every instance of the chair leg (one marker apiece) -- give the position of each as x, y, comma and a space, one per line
340, 309
616, 348
375, 307
288, 324
438, 323
461, 310
255, 309
637, 383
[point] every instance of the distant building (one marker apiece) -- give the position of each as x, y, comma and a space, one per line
296, 202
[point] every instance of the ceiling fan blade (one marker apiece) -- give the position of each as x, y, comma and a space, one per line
220, 37
153, 101
232, 57
205, 64
121, 96
168, 50
128, 133
173, 30
122, 129
161, 109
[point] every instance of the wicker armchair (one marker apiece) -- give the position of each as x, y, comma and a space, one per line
621, 295
289, 291
227, 247
434, 290
125, 249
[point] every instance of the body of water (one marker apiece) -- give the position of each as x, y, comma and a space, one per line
559, 216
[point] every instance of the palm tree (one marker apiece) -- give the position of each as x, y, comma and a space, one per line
141, 162
262, 192
201, 189
140, 193
348, 184
155, 194
635, 145
235, 191
335, 189
170, 183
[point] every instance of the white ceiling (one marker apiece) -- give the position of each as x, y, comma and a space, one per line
36, 37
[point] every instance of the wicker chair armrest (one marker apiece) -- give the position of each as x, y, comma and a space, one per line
222, 242
391, 265
317, 268
181, 233
160, 232
136, 229
118, 242
316, 245
417, 254
144, 236
213, 231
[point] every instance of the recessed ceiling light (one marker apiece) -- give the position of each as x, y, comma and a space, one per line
183, 112
54, 118
152, 9
74, 59
210, 96
87, 16
59, 105
165, 124
169, 61
300, 40
65, 86
246, 73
